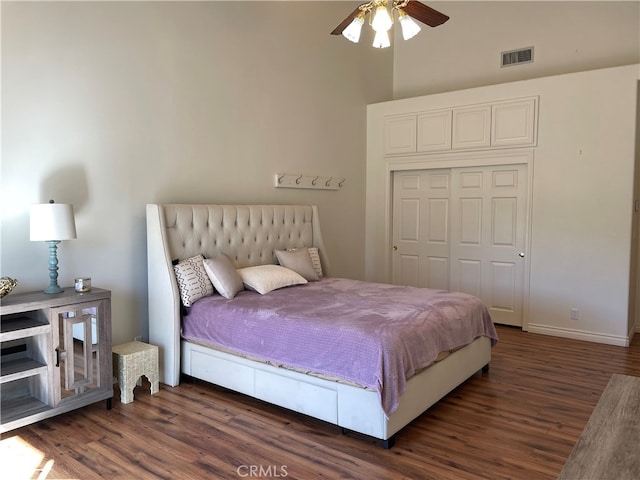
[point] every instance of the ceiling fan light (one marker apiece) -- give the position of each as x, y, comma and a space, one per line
409, 27
381, 40
382, 21
353, 30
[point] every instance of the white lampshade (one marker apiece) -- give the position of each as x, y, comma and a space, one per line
52, 221
382, 21
353, 30
409, 27
381, 40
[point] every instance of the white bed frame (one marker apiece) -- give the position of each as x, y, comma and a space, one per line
248, 234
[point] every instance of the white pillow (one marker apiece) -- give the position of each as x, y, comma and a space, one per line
193, 281
299, 261
223, 275
265, 278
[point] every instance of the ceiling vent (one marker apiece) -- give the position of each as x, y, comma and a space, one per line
516, 57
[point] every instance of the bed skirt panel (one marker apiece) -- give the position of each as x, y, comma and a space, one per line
282, 387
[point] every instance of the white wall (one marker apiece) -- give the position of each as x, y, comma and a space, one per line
580, 249
567, 37
112, 105
465, 51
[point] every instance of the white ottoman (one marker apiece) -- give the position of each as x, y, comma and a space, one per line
131, 361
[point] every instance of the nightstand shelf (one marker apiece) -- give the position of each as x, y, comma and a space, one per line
56, 354
13, 328
22, 368
19, 408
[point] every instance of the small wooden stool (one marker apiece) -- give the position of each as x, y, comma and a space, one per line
131, 361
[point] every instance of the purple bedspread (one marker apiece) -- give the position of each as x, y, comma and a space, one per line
376, 335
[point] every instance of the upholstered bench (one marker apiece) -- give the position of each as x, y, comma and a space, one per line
131, 361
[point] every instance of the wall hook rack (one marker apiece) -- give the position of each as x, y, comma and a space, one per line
315, 182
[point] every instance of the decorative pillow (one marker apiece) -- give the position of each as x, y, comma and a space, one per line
223, 275
299, 261
193, 281
315, 259
265, 278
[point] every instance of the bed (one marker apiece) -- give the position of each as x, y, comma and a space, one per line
248, 235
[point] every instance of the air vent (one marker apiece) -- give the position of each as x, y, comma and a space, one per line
516, 57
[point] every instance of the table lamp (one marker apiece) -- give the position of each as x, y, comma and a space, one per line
52, 222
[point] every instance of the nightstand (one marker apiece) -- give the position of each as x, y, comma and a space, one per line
56, 354
131, 361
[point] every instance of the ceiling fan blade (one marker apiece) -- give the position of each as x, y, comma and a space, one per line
338, 30
426, 15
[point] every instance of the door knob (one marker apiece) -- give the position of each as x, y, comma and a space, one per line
521, 254
395, 247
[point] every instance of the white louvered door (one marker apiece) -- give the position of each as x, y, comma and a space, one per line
463, 229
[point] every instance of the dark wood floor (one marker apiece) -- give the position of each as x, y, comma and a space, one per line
519, 421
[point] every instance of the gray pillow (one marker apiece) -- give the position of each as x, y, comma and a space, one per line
223, 275
299, 261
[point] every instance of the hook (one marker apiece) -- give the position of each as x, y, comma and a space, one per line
341, 182
298, 179
280, 178
328, 182
314, 181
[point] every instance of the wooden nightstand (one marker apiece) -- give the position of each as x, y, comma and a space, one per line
46, 369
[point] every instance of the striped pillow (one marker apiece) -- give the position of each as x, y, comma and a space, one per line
315, 259
193, 281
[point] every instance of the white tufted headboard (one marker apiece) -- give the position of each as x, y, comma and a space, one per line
247, 234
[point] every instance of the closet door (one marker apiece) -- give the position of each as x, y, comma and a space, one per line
463, 229
488, 220
421, 228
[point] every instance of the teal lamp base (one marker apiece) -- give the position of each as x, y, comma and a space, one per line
53, 268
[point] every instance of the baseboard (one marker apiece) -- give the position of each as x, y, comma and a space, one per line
618, 340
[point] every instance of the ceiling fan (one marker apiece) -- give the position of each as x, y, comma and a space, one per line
381, 20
